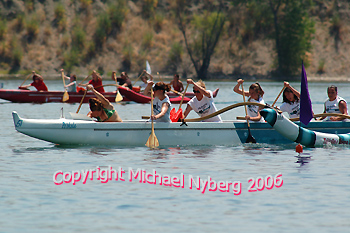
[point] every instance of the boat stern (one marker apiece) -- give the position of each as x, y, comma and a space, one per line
17, 120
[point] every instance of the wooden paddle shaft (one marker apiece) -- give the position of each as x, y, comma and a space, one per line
64, 82
137, 78
81, 102
84, 79
26, 79
278, 97
183, 96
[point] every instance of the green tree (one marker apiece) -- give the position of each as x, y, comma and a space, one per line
294, 31
288, 23
207, 27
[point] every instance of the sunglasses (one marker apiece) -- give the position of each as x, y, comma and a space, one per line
156, 89
194, 91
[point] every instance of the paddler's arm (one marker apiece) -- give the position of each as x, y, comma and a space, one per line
238, 90
257, 118
295, 92
165, 107
147, 91
343, 109
187, 111
201, 89
150, 76
105, 102
181, 86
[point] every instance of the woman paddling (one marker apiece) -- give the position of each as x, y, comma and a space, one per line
72, 86
255, 95
101, 108
38, 83
96, 82
161, 102
123, 80
291, 102
334, 104
202, 103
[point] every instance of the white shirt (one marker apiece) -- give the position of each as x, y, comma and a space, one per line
292, 109
157, 108
204, 107
72, 88
253, 110
333, 106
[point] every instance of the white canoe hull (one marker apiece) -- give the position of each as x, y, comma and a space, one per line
133, 133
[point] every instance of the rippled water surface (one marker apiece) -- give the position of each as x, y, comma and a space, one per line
314, 197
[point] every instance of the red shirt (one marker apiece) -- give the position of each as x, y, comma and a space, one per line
97, 83
40, 86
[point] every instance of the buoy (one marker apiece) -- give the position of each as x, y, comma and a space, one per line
299, 148
301, 159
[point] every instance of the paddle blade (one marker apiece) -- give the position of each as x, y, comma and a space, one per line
250, 138
118, 97
172, 114
152, 141
65, 96
148, 68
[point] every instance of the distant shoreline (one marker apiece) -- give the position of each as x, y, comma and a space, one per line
168, 78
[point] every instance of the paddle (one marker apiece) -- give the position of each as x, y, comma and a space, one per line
250, 138
138, 78
84, 79
118, 97
81, 102
148, 70
152, 141
26, 79
65, 94
176, 92
278, 96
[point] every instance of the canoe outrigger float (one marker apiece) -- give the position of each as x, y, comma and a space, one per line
190, 132
308, 137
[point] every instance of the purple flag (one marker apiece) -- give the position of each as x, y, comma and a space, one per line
305, 102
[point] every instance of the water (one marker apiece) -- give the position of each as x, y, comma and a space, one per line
314, 197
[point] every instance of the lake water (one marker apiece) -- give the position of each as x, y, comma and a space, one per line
314, 197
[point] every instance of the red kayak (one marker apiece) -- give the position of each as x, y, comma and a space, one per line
140, 98
27, 96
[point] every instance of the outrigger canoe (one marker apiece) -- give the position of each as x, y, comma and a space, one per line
28, 96
140, 98
337, 132
136, 132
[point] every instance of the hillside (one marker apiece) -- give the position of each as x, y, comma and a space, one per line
47, 35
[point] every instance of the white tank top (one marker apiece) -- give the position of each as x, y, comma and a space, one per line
253, 110
157, 108
333, 106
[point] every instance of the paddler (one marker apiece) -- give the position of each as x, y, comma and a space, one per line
96, 82
202, 102
101, 108
38, 83
334, 104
